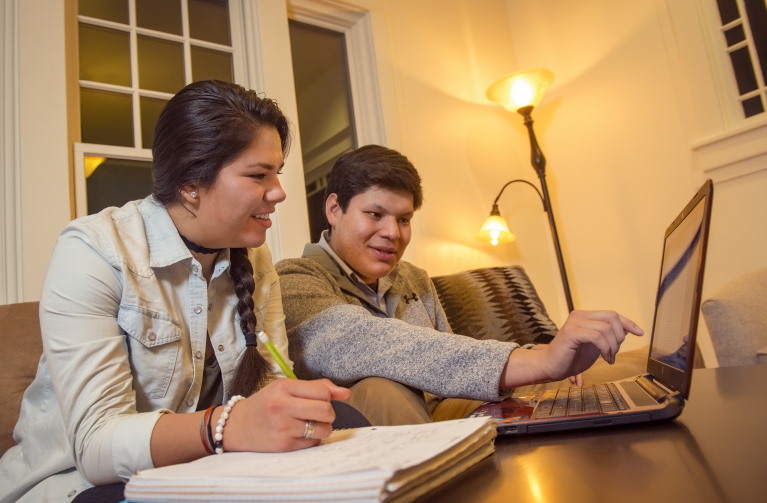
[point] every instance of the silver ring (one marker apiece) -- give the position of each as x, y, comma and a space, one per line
308, 430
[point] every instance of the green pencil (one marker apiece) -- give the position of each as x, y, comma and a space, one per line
275, 354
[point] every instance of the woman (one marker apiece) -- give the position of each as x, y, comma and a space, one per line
149, 314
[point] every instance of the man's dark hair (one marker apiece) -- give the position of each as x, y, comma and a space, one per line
373, 166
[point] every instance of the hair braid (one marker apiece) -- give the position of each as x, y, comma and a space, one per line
253, 370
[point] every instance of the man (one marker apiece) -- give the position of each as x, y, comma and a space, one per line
359, 316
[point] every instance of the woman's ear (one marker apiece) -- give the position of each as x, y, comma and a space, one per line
190, 194
332, 209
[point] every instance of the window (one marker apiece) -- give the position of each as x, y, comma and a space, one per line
134, 55
325, 113
744, 29
716, 51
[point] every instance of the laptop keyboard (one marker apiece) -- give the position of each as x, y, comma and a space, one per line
578, 400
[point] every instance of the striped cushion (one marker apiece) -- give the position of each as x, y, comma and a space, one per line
495, 303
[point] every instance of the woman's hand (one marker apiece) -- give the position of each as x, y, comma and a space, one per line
584, 337
274, 418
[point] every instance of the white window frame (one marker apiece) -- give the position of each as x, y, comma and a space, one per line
725, 145
354, 21
10, 214
110, 151
135, 153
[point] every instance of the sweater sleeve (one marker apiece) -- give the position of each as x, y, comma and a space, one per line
334, 338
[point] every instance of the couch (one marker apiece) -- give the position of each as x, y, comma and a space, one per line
22, 347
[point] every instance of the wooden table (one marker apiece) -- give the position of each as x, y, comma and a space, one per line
706, 455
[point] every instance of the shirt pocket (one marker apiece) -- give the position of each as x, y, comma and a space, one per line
154, 342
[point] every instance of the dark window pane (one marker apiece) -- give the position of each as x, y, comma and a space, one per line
160, 64
744, 70
753, 106
735, 35
757, 18
104, 55
209, 21
210, 64
728, 10
117, 181
160, 15
106, 118
325, 113
111, 10
150, 112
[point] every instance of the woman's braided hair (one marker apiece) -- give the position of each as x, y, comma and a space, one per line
204, 127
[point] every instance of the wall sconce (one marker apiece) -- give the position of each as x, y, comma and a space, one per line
520, 92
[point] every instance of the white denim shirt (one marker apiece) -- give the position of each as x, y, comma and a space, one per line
125, 315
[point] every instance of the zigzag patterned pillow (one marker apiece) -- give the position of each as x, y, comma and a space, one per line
495, 303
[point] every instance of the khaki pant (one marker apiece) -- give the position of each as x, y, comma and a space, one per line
387, 403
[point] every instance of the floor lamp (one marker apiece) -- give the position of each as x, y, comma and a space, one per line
520, 92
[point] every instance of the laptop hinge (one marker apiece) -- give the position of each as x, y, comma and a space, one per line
652, 389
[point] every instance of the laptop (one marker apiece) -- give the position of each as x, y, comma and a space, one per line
660, 393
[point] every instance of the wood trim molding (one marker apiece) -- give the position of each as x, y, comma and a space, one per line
10, 209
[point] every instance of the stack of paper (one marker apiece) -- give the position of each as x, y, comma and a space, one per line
384, 463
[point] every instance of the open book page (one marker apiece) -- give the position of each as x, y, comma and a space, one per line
361, 459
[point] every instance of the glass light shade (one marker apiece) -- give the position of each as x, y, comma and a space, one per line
495, 230
520, 89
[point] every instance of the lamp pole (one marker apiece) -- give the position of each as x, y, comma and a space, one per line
539, 164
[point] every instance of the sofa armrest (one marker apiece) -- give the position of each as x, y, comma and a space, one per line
22, 347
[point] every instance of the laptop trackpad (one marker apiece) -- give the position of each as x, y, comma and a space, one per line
637, 394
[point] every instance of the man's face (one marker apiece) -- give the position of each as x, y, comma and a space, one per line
372, 234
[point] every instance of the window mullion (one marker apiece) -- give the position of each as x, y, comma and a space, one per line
755, 61
187, 46
134, 73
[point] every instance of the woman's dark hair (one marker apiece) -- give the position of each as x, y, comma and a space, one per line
373, 166
203, 128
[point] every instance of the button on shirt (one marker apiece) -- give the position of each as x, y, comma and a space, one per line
125, 315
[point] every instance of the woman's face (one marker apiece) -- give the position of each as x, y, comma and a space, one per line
235, 211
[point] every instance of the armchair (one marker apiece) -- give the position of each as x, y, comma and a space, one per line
736, 316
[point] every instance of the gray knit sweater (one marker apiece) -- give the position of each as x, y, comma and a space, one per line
334, 332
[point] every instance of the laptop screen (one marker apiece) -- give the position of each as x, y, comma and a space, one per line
678, 296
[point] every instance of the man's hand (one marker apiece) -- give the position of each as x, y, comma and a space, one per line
584, 337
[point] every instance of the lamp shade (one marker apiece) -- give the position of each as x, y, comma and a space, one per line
495, 230
520, 89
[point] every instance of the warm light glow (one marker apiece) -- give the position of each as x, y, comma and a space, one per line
495, 230
520, 89
92, 162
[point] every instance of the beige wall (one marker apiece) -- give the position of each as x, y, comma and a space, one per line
43, 150
616, 128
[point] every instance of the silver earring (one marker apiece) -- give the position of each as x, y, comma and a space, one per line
193, 194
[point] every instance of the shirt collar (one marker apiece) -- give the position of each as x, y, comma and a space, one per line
383, 284
165, 244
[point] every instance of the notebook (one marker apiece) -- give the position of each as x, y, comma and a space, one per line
660, 393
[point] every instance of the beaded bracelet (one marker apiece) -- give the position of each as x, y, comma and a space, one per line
204, 428
219, 436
